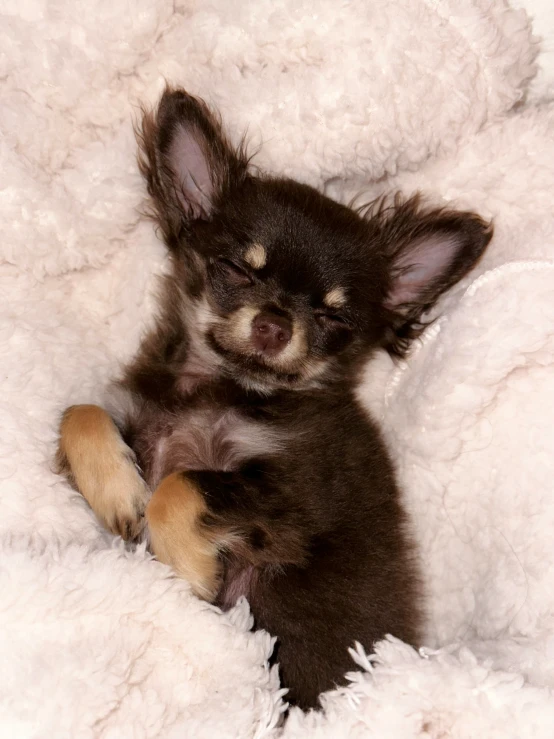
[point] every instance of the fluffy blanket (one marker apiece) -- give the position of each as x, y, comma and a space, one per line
99, 641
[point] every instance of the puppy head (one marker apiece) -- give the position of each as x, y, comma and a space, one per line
283, 286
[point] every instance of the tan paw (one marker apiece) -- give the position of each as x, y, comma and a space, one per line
101, 466
121, 508
180, 539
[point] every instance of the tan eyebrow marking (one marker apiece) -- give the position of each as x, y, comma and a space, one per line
335, 298
256, 256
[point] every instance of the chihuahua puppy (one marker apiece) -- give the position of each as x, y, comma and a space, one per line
260, 476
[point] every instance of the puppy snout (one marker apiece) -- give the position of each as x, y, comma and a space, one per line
271, 333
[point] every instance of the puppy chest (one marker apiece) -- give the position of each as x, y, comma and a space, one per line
209, 439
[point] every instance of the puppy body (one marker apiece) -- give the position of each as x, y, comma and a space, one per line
270, 482
304, 489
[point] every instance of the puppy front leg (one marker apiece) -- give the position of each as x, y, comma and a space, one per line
94, 457
180, 537
194, 516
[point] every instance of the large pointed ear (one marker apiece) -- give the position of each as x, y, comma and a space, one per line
428, 251
187, 161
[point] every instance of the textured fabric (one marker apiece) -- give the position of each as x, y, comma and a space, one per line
102, 642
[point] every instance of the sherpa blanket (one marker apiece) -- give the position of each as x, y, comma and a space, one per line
100, 641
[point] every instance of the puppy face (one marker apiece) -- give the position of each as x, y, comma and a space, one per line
282, 286
280, 299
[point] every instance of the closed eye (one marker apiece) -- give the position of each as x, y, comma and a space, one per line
233, 272
329, 319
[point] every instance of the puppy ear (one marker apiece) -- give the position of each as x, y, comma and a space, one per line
187, 161
428, 251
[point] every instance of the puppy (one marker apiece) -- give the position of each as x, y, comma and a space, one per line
260, 474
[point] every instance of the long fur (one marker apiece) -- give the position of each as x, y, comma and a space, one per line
273, 438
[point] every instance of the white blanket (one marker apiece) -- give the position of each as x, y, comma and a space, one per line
98, 641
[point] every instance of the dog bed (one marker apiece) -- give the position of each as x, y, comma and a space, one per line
358, 98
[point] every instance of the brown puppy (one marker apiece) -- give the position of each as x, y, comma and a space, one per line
268, 480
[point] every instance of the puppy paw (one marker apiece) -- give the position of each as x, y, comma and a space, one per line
179, 538
122, 508
98, 463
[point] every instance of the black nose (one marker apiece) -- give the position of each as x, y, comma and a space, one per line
271, 333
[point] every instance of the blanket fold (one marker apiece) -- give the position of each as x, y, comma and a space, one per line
100, 641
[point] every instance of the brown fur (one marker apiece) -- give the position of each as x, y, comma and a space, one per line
270, 481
